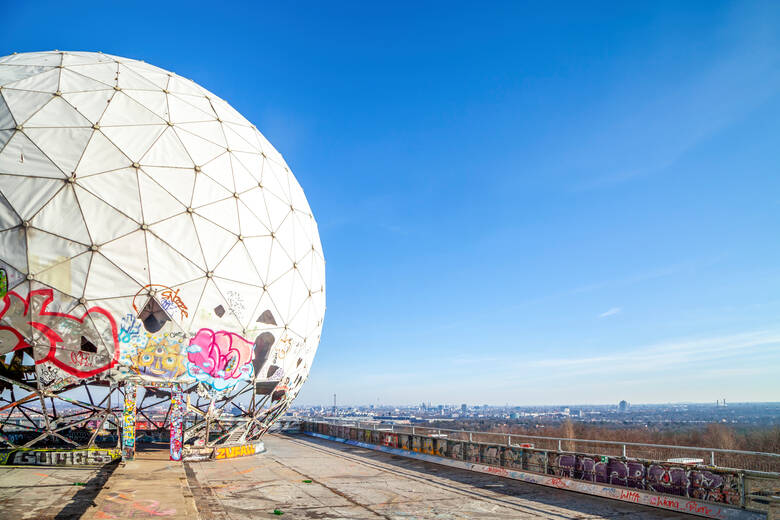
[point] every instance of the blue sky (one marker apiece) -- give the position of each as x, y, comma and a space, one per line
519, 203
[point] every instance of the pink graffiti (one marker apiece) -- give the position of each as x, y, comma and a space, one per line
221, 354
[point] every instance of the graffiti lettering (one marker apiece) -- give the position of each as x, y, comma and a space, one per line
664, 502
235, 451
170, 300
44, 457
556, 482
220, 358
631, 496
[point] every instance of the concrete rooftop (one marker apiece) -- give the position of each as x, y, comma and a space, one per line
346, 482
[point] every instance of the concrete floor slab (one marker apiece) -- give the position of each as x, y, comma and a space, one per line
352, 482
346, 482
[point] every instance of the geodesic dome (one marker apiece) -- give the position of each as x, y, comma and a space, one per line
148, 234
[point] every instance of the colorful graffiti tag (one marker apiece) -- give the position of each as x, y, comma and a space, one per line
131, 339
176, 422
128, 422
230, 452
82, 346
169, 300
54, 457
219, 359
3, 282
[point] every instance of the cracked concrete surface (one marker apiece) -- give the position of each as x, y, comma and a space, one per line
346, 482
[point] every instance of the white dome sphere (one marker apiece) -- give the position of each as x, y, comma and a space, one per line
148, 232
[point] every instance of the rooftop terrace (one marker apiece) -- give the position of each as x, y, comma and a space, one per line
302, 477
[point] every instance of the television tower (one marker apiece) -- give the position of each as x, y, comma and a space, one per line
334, 404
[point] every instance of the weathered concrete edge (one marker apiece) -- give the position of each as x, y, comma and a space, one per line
634, 496
59, 456
193, 454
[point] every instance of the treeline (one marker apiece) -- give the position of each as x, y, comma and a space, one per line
713, 435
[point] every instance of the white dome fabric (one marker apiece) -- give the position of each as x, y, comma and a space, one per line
148, 232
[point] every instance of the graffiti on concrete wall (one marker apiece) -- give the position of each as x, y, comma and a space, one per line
176, 422
128, 422
230, 452
3, 282
664, 478
695, 483
82, 345
42, 457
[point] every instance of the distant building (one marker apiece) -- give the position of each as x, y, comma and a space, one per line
623, 406
463, 408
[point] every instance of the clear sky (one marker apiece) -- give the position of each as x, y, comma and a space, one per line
526, 203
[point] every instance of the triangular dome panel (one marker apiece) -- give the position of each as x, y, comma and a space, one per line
61, 216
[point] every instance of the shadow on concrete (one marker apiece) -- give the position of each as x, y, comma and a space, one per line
153, 451
415, 468
85, 498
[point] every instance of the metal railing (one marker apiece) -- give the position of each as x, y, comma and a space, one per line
724, 458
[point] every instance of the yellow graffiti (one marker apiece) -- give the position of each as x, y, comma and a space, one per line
161, 357
235, 451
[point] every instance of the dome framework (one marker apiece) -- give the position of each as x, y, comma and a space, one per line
154, 249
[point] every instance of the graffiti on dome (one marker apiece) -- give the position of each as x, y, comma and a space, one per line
236, 303
162, 304
132, 338
51, 376
162, 357
284, 347
80, 345
219, 359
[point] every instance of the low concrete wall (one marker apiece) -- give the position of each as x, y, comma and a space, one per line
195, 454
700, 490
59, 457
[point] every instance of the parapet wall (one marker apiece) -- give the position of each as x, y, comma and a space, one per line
708, 491
59, 457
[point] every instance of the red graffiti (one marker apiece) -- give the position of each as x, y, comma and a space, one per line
631, 496
556, 482
664, 502
497, 471
82, 346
